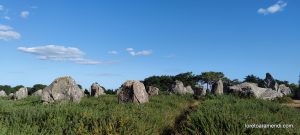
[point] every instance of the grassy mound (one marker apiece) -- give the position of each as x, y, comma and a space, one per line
101, 115
230, 115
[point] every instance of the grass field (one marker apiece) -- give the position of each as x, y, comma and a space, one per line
164, 114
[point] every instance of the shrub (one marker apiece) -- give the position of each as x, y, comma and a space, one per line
228, 115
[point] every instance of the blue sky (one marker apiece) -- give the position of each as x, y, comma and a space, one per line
110, 41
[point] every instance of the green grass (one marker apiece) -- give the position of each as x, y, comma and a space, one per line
164, 114
228, 115
101, 115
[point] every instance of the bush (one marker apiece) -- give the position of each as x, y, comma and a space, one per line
228, 115
101, 115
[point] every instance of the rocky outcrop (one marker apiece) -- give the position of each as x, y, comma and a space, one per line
284, 89
38, 93
251, 89
20, 94
62, 89
2, 93
134, 92
270, 82
97, 90
153, 91
218, 88
178, 88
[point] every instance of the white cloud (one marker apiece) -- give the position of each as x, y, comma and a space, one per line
1, 7
279, 6
59, 53
7, 33
24, 14
129, 49
5, 27
138, 53
113, 52
6, 17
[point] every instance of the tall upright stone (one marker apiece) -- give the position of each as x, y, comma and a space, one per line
20, 94
134, 92
270, 82
2, 93
97, 90
218, 88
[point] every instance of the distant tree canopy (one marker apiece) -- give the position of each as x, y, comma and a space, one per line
8, 89
164, 83
35, 88
110, 92
254, 79
209, 78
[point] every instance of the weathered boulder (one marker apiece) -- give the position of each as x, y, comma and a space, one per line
134, 92
97, 90
218, 88
270, 82
189, 90
251, 89
20, 94
62, 89
178, 88
2, 93
200, 91
38, 93
11, 95
153, 91
284, 89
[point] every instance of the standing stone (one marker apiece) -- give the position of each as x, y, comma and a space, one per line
134, 92
97, 90
189, 90
62, 89
284, 90
2, 93
20, 94
38, 93
178, 87
200, 91
218, 88
153, 91
11, 95
270, 82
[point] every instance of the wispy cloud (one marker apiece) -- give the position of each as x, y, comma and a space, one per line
59, 53
7, 33
277, 7
113, 52
132, 52
1, 7
6, 17
24, 14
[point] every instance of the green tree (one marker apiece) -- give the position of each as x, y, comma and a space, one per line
164, 82
6, 88
254, 79
209, 78
36, 87
188, 79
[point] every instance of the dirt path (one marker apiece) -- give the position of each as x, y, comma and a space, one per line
294, 104
173, 130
